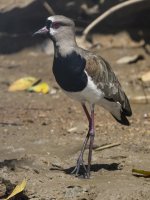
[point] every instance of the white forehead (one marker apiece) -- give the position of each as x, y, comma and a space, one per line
61, 18
52, 18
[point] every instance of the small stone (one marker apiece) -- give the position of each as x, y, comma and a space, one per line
146, 115
53, 91
146, 77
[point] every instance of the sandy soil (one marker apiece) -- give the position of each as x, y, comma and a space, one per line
41, 136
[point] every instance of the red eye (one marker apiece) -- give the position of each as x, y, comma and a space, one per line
55, 25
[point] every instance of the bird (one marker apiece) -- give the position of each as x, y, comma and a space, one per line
87, 78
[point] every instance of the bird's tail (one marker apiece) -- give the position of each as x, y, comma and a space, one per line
117, 111
122, 119
126, 108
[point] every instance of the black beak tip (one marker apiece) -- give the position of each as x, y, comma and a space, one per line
34, 34
42, 31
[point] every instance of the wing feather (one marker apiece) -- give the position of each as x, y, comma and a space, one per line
105, 79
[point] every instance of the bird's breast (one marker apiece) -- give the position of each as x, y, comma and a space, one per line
69, 72
90, 93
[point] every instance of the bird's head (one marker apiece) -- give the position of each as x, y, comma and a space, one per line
57, 28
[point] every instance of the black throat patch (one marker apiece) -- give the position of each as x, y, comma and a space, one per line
69, 72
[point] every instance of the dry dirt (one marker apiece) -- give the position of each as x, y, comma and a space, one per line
41, 136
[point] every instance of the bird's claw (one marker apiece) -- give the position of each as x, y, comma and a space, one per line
80, 163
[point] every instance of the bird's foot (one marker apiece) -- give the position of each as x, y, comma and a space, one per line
80, 163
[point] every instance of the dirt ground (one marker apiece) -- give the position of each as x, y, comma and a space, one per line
41, 136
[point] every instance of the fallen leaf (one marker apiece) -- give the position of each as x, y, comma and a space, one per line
19, 188
130, 59
42, 87
143, 172
23, 84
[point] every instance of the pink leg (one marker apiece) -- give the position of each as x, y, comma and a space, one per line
80, 161
86, 112
91, 135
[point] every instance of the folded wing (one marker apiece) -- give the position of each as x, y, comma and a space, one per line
105, 79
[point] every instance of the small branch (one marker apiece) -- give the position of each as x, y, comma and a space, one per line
106, 14
48, 8
107, 146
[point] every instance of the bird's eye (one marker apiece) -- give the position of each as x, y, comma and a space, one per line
48, 24
55, 25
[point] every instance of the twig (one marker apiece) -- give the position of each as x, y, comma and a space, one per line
10, 124
107, 146
48, 8
106, 14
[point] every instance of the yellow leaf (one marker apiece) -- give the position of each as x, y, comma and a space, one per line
143, 172
18, 189
23, 84
41, 87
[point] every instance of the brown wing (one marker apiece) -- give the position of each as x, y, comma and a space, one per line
106, 80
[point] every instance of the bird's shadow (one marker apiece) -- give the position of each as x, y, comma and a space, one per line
94, 168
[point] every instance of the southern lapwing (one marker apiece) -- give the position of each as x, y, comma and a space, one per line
85, 77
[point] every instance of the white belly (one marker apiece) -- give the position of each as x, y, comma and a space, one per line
89, 94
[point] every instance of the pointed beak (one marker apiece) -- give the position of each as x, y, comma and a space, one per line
42, 31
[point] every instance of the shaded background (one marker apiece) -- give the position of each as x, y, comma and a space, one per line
18, 20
